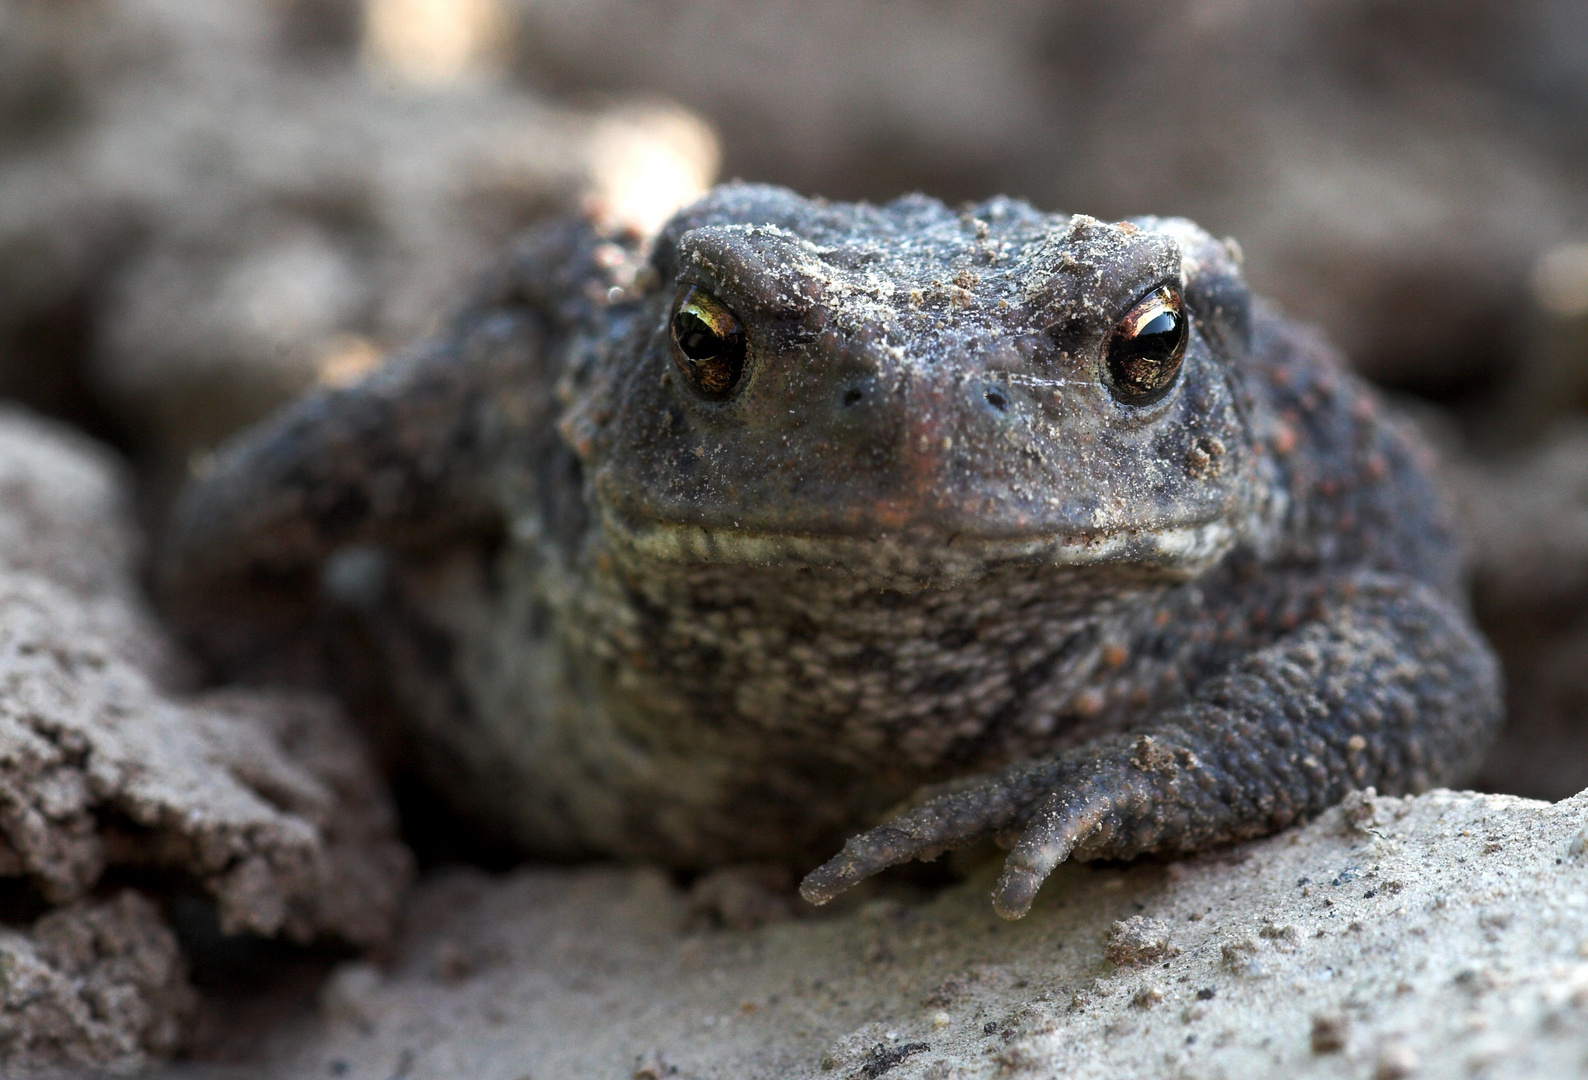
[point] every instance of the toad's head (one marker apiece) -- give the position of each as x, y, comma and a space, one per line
833, 384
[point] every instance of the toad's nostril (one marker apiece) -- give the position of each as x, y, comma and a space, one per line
852, 396
996, 399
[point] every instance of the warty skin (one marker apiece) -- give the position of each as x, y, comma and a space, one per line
941, 538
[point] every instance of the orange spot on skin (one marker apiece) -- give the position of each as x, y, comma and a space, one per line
1088, 703
1115, 655
1284, 439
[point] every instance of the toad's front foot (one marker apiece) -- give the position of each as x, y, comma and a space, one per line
1386, 687
1050, 809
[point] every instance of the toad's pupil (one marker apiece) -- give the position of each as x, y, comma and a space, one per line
695, 338
1146, 348
708, 343
1161, 335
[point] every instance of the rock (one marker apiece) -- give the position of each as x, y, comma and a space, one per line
1550, 382
64, 511
66, 520
744, 897
347, 992
361, 869
1527, 514
1137, 941
1452, 937
1329, 1032
98, 983
235, 208
267, 799
1395, 1061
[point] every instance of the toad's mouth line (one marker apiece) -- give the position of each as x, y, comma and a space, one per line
1180, 551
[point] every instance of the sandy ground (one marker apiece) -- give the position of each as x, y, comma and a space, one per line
1445, 935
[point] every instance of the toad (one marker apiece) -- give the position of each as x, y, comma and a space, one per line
713, 547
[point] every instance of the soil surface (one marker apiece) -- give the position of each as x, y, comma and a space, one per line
1443, 935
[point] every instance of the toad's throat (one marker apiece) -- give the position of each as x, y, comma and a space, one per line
1179, 551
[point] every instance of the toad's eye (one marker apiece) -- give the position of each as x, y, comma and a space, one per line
1146, 348
708, 342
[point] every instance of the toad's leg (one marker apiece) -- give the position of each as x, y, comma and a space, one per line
396, 459
1388, 686
404, 457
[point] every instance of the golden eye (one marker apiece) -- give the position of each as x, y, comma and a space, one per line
1147, 346
708, 342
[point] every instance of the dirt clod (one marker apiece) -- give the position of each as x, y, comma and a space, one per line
1138, 940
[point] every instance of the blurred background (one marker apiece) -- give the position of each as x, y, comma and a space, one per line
208, 206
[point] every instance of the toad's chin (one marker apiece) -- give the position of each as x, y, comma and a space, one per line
922, 554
